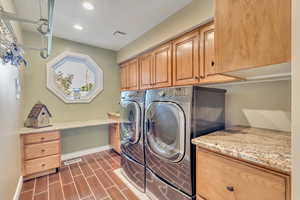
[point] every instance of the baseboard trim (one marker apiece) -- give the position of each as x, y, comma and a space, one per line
18, 189
84, 152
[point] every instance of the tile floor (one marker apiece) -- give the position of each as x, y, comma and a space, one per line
91, 179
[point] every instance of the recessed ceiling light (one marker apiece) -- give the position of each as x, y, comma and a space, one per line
88, 5
78, 27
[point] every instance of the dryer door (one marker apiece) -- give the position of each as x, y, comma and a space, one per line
165, 130
130, 121
132, 142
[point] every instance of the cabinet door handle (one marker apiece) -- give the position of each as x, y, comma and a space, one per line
212, 63
197, 77
230, 188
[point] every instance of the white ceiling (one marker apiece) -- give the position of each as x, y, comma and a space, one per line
134, 17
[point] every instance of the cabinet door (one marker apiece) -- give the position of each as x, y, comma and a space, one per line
186, 59
133, 75
114, 137
252, 33
207, 55
162, 66
208, 35
222, 178
123, 76
146, 71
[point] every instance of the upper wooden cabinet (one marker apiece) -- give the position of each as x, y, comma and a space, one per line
252, 33
208, 50
207, 58
146, 72
186, 59
123, 76
162, 66
129, 73
133, 75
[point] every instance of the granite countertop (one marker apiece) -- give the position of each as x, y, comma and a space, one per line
265, 147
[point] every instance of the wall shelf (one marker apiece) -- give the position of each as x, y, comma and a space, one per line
68, 125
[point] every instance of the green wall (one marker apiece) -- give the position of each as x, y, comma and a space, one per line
107, 101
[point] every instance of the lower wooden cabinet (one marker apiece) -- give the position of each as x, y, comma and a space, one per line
114, 133
223, 178
41, 164
40, 153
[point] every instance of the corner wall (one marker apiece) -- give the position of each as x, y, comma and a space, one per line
107, 101
262, 105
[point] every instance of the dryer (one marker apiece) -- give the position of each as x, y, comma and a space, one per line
173, 117
132, 139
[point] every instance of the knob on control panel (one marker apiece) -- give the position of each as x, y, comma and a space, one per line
162, 94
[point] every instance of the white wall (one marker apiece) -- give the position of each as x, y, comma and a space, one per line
296, 100
262, 105
9, 139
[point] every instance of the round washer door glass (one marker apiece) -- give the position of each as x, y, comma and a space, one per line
165, 130
130, 121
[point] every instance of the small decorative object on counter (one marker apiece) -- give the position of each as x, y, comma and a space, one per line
38, 117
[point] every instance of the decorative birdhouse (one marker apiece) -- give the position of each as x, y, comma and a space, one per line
38, 117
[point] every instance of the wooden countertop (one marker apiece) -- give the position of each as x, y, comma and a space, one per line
269, 148
68, 125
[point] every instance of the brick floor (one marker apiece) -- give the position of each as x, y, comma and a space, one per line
92, 179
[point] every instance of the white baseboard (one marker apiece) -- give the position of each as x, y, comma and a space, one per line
77, 154
18, 189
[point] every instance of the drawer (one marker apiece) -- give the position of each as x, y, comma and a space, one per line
41, 150
222, 178
41, 164
41, 137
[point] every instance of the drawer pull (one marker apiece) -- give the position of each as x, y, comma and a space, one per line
43, 150
230, 188
42, 138
43, 165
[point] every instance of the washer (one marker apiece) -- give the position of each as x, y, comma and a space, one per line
173, 117
132, 139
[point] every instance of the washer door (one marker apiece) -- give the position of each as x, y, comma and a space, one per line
130, 121
165, 130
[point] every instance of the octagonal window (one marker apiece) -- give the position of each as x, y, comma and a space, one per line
74, 78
